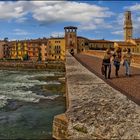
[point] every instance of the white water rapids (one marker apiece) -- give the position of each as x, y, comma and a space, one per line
13, 82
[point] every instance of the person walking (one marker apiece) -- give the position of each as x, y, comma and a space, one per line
117, 59
106, 63
127, 61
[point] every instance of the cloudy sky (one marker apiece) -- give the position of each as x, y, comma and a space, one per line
94, 19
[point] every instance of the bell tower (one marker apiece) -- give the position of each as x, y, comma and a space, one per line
128, 29
71, 38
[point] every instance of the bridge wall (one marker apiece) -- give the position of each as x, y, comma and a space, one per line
95, 110
100, 54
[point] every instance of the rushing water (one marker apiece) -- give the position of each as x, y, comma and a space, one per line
28, 102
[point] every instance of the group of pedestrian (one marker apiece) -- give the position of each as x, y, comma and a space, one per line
117, 57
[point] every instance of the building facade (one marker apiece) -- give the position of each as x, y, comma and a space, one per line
82, 44
71, 38
44, 52
56, 48
34, 50
128, 28
18, 49
2, 44
101, 44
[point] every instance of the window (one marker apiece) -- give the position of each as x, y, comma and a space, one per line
133, 50
33, 49
71, 43
128, 17
86, 43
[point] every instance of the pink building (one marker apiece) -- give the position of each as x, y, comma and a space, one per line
2, 49
44, 54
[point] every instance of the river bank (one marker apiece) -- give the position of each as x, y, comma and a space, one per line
31, 99
29, 65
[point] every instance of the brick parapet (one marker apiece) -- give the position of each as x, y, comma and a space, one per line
60, 127
100, 54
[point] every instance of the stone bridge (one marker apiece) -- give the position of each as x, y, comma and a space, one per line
95, 110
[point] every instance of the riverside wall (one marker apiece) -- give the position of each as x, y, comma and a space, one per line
95, 110
19, 65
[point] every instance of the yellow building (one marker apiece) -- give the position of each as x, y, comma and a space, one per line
18, 49
136, 42
82, 44
56, 49
124, 45
100, 44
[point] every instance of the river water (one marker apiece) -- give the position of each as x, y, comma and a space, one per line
28, 102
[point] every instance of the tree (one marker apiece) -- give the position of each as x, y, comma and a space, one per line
6, 39
25, 57
39, 54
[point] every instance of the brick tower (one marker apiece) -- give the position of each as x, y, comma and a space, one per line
128, 29
71, 38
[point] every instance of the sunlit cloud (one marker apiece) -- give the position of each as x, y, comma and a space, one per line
20, 32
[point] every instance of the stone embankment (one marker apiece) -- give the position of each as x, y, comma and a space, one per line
32, 65
95, 109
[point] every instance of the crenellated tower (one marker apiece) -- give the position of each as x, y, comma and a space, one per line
71, 38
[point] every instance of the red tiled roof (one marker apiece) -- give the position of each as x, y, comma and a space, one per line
100, 41
124, 43
56, 38
81, 37
137, 40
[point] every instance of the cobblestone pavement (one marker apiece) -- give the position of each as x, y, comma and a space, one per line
96, 110
130, 86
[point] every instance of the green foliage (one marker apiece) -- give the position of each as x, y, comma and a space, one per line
39, 55
80, 128
25, 57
